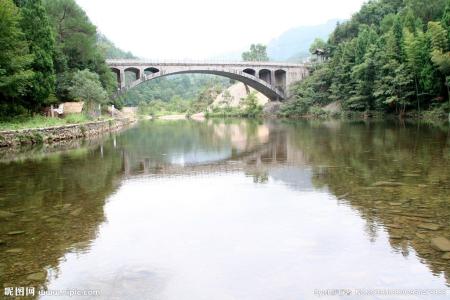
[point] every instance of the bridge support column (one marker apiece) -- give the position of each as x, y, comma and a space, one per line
122, 79
273, 80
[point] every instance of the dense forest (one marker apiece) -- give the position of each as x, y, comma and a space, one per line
49, 53
390, 57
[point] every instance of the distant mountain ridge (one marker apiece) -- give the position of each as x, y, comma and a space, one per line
293, 44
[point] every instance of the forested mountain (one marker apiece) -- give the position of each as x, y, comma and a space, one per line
392, 56
293, 45
110, 51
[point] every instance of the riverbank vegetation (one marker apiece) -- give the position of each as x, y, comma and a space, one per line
39, 121
48, 54
250, 108
175, 89
391, 57
177, 105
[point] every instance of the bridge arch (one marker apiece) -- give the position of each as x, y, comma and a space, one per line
132, 70
280, 79
265, 75
258, 84
116, 71
151, 70
250, 71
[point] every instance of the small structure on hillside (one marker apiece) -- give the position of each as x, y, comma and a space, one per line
65, 108
321, 55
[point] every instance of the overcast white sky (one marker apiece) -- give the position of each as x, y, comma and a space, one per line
199, 29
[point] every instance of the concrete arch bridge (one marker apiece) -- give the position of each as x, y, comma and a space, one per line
270, 78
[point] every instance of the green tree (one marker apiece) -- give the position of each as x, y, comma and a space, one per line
317, 44
86, 87
258, 52
252, 107
15, 60
76, 44
38, 33
427, 10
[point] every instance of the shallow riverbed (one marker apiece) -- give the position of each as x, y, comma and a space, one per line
231, 210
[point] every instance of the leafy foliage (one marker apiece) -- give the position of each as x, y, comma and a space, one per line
15, 60
258, 52
86, 87
383, 59
43, 46
252, 108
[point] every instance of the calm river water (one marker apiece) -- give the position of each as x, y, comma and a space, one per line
231, 210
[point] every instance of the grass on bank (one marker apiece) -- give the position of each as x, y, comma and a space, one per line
42, 121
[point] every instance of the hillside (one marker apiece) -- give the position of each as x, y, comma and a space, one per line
233, 95
390, 57
293, 45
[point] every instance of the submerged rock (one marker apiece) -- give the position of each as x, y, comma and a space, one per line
446, 256
14, 250
17, 232
39, 276
421, 236
397, 226
343, 195
2, 242
387, 184
429, 226
396, 236
441, 244
76, 212
80, 244
6, 214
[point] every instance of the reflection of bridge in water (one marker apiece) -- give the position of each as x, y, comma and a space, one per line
277, 155
272, 153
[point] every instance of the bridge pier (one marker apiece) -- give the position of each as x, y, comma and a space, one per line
122, 79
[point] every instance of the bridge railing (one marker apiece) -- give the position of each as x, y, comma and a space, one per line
200, 62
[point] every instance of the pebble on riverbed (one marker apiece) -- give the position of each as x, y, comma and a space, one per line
14, 250
76, 212
17, 232
429, 226
387, 184
39, 276
441, 244
6, 214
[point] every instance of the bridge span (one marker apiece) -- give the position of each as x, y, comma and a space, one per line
270, 78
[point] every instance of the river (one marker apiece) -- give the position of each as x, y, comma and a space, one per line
230, 210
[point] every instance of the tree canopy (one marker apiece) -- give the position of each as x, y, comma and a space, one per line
257, 52
391, 56
43, 46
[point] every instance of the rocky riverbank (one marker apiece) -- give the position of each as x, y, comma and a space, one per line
10, 138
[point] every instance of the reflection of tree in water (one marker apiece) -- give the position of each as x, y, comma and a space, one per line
57, 202
396, 177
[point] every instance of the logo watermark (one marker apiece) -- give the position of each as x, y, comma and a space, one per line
381, 292
29, 291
